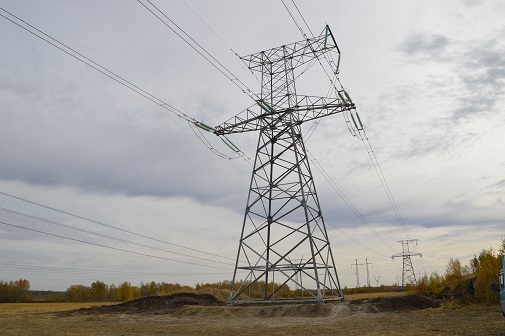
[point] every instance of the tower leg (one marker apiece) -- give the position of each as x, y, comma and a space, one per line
283, 232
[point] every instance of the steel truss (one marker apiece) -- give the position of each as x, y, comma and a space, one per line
408, 274
284, 241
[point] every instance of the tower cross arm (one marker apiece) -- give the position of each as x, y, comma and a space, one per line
307, 108
409, 254
302, 51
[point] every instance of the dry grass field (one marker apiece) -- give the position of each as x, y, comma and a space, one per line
385, 315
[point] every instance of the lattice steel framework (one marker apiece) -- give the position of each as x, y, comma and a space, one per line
408, 274
284, 240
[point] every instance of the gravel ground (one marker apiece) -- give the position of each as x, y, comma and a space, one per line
189, 315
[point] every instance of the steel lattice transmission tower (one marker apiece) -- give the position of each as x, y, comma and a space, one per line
408, 274
284, 240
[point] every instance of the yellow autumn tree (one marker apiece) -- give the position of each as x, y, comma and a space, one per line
485, 268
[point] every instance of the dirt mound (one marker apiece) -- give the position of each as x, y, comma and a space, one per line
206, 305
152, 304
174, 300
396, 303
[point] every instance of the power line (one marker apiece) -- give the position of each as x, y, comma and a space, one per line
354, 240
112, 75
80, 57
108, 247
384, 182
347, 201
220, 63
320, 168
329, 61
199, 49
88, 271
199, 134
210, 28
103, 235
353, 208
294, 20
111, 226
96, 180
94, 190
370, 151
311, 33
218, 36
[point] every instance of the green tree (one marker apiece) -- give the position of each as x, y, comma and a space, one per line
112, 292
127, 292
76, 293
98, 291
456, 277
433, 284
153, 288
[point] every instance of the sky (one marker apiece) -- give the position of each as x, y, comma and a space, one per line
86, 162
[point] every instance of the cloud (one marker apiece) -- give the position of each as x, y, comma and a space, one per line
424, 45
473, 3
464, 84
500, 184
482, 73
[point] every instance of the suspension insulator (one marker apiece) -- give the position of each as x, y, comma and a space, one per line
230, 144
342, 97
265, 106
354, 122
326, 36
348, 96
203, 126
359, 120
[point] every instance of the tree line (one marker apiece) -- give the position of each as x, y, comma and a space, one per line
125, 291
470, 283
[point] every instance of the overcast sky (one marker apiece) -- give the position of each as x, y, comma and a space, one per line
427, 78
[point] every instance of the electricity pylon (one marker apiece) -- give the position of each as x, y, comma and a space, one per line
408, 275
283, 222
367, 272
357, 272
366, 263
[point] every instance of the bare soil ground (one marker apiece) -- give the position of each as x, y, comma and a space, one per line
193, 314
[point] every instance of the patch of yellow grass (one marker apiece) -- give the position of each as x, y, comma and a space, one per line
44, 307
373, 295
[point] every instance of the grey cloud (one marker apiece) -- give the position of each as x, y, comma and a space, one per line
499, 184
151, 155
485, 66
473, 3
441, 140
478, 70
482, 77
424, 45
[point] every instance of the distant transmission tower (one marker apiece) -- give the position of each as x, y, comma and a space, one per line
366, 263
283, 222
367, 272
357, 272
408, 274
